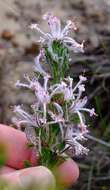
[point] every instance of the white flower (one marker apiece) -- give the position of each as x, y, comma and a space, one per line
54, 25
57, 118
41, 92
64, 88
81, 80
57, 33
68, 92
78, 106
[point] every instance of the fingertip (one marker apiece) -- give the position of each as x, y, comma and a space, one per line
40, 175
17, 147
68, 172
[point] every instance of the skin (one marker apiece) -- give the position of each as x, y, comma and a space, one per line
17, 151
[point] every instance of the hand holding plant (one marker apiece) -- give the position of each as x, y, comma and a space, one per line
18, 152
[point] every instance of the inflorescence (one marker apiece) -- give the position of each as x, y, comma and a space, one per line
57, 122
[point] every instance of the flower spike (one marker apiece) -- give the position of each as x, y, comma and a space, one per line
57, 123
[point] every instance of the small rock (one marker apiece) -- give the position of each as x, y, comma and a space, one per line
7, 35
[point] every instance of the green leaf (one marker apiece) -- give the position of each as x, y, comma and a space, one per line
3, 155
27, 164
75, 119
49, 158
61, 146
46, 156
60, 66
30, 145
54, 132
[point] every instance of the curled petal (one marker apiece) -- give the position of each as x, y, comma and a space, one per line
73, 45
36, 26
19, 84
24, 117
70, 25
79, 104
59, 108
38, 66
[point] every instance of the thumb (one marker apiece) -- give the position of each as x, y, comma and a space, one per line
36, 177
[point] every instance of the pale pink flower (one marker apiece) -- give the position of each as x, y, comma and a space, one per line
24, 117
57, 33
64, 87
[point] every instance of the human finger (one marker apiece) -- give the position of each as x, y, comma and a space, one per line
40, 176
17, 148
6, 170
68, 173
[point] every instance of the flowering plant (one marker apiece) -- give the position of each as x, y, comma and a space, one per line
56, 125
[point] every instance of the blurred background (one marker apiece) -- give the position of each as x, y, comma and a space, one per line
18, 48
